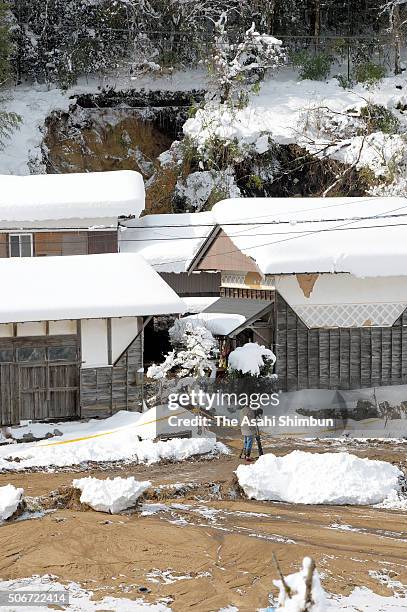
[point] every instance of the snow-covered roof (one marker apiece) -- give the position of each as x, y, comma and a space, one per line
168, 242
83, 287
363, 236
226, 316
70, 200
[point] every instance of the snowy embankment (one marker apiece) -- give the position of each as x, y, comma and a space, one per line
321, 478
112, 494
22, 152
126, 436
10, 498
319, 116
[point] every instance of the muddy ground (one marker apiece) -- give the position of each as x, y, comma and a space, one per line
201, 549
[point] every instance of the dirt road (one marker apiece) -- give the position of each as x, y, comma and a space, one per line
204, 550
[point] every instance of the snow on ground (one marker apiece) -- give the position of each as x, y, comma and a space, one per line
80, 599
112, 494
117, 438
319, 478
10, 498
281, 111
249, 358
394, 501
364, 599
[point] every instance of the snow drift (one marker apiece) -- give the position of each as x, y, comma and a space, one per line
118, 438
320, 478
10, 497
111, 495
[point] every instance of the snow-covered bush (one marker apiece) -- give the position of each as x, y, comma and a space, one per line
205, 188
194, 354
302, 591
251, 359
233, 67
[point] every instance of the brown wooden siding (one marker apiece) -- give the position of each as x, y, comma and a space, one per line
48, 243
3, 245
67, 243
223, 255
189, 285
58, 390
102, 242
337, 358
104, 391
38, 390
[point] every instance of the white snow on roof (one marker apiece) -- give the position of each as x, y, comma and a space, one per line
83, 286
195, 305
168, 242
218, 323
310, 235
99, 197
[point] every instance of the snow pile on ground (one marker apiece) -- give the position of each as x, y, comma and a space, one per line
250, 358
80, 600
297, 583
162, 420
10, 497
111, 495
319, 478
118, 438
394, 501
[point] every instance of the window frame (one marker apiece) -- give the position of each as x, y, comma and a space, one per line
19, 235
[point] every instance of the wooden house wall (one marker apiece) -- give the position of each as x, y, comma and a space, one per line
66, 243
189, 285
224, 255
105, 391
337, 358
57, 390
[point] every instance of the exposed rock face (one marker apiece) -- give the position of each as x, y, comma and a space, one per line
86, 140
112, 130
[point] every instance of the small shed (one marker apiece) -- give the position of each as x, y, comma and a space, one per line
66, 214
335, 270
71, 334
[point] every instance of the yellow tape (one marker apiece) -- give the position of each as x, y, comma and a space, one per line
107, 433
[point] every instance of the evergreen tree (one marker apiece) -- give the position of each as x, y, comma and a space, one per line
8, 121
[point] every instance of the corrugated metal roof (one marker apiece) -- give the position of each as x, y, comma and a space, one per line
250, 309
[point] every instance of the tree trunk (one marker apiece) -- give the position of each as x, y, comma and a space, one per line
396, 30
317, 21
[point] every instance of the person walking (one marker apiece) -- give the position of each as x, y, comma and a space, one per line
249, 430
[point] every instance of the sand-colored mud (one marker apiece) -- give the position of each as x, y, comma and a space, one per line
218, 552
